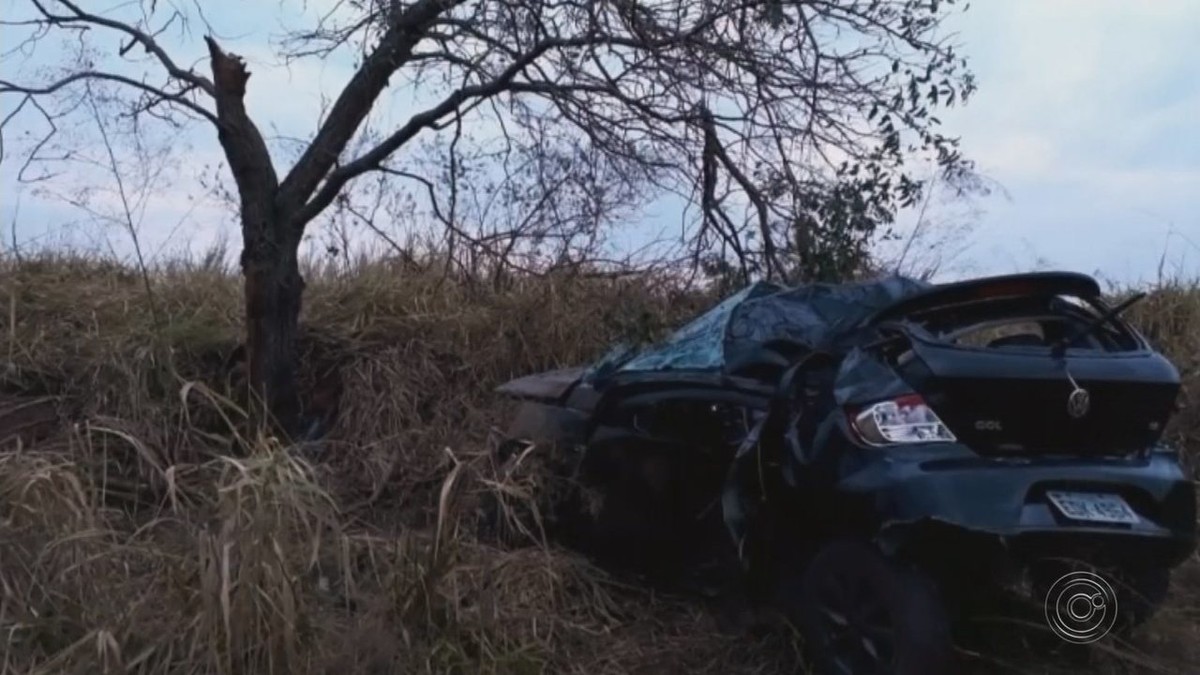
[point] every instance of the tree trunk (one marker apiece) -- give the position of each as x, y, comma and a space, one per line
273, 288
270, 242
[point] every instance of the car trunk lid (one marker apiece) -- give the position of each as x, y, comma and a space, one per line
1031, 403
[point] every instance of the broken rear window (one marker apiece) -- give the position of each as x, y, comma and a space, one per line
1025, 323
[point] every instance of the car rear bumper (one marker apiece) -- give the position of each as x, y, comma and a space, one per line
953, 492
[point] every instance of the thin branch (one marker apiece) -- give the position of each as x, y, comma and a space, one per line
141, 37
7, 87
356, 100
752, 193
126, 210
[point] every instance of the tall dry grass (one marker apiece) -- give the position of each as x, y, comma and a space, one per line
142, 530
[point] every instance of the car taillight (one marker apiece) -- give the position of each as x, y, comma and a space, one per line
902, 420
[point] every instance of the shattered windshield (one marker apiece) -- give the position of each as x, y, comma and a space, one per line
698, 345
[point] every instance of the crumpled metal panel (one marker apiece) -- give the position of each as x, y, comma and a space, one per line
822, 316
819, 316
863, 379
547, 386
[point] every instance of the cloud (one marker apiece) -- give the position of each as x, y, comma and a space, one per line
1086, 113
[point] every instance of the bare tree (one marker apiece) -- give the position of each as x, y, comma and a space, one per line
527, 202
941, 225
747, 107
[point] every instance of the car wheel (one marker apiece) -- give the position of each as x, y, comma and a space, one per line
863, 614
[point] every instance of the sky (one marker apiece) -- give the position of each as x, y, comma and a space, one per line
1088, 114
1087, 118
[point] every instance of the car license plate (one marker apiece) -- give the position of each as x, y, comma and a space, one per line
1099, 508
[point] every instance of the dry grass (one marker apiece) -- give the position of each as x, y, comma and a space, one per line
144, 533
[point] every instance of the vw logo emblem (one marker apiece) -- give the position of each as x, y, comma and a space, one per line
1078, 403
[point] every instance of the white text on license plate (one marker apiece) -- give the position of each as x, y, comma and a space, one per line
1094, 507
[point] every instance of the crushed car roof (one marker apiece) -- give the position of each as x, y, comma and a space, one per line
819, 316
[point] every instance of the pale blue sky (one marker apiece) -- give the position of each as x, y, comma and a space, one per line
1088, 114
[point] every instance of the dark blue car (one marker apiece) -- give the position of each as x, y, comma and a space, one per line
867, 456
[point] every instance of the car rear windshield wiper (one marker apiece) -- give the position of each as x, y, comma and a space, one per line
1060, 347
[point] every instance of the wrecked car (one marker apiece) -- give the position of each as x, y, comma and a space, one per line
867, 455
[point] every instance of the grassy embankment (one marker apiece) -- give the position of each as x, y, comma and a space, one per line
142, 531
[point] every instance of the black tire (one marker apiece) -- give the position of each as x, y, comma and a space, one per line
889, 619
